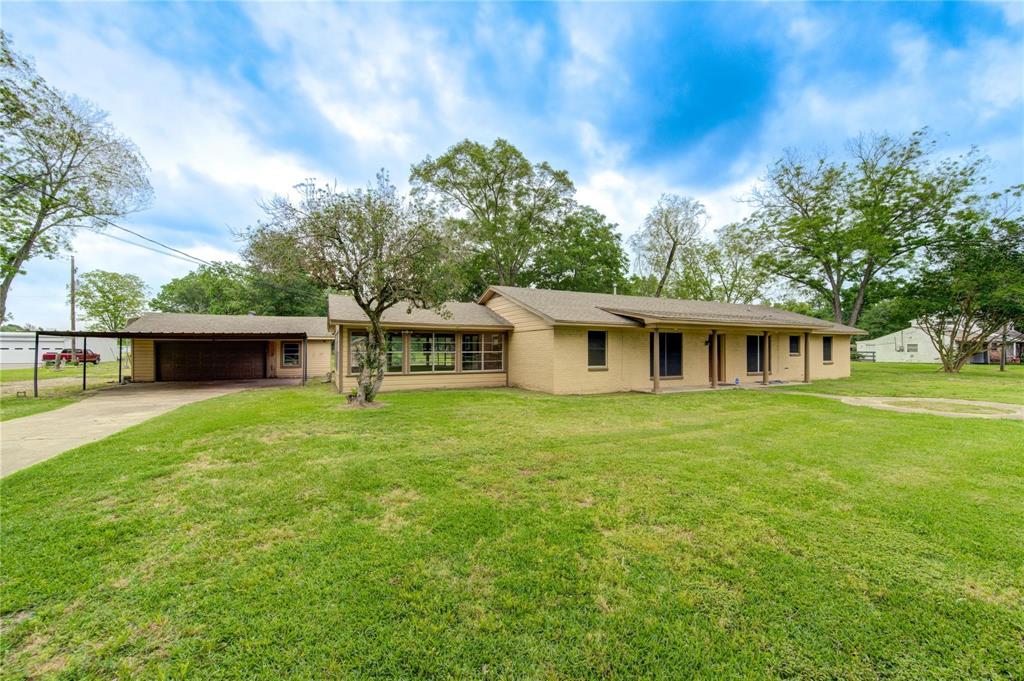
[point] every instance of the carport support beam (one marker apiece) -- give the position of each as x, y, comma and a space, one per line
35, 369
85, 341
119, 361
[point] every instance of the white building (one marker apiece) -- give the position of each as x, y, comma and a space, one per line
17, 347
909, 345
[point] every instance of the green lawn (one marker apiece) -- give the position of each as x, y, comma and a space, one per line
101, 370
505, 534
53, 394
974, 382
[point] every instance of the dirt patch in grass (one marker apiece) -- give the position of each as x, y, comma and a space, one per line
393, 506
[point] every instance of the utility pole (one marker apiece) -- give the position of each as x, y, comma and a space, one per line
72, 307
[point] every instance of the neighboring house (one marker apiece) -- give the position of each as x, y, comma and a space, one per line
572, 343
907, 345
201, 347
18, 347
914, 345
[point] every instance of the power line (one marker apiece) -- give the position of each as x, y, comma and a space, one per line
191, 259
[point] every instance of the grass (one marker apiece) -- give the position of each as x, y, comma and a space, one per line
974, 382
101, 370
53, 394
505, 534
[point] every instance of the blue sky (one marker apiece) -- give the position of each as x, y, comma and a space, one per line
231, 103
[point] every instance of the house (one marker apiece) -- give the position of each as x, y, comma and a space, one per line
914, 345
907, 345
566, 342
202, 347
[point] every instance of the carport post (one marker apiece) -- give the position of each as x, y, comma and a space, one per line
305, 356
35, 369
119, 361
84, 363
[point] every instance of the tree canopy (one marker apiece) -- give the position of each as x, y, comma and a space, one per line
674, 224
62, 166
109, 299
831, 226
582, 252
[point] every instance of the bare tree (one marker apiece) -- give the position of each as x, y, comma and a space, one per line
62, 165
673, 224
373, 244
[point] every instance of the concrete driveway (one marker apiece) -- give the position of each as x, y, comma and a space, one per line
35, 438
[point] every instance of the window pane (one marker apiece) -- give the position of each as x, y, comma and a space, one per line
794, 345
494, 361
444, 352
472, 361
826, 348
420, 351
596, 341
471, 342
357, 346
753, 354
290, 355
395, 351
493, 342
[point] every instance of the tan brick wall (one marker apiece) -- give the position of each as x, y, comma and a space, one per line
318, 355
840, 367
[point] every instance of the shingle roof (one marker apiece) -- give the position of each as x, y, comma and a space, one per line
344, 309
180, 323
572, 307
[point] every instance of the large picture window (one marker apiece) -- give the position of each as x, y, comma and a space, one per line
483, 352
755, 361
826, 348
670, 351
394, 351
291, 354
597, 349
431, 352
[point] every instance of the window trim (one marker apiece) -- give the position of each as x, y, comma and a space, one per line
281, 364
406, 347
604, 351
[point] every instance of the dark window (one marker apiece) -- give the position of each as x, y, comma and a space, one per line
911, 347
597, 342
483, 352
291, 355
394, 342
670, 351
794, 345
754, 359
826, 348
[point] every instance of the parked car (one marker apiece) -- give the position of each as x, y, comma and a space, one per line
72, 356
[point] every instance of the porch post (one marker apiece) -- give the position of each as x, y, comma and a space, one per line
305, 357
657, 362
35, 369
764, 358
714, 358
807, 357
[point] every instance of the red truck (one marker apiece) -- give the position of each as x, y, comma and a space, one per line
70, 356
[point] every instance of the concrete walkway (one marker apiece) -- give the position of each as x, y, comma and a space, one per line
31, 439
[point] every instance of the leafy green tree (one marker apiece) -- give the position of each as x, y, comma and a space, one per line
884, 317
220, 288
722, 269
673, 225
582, 252
62, 166
109, 299
502, 205
374, 244
829, 226
972, 283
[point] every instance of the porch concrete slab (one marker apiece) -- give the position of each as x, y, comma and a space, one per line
31, 439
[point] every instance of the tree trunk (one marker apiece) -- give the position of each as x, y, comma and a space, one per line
17, 260
858, 303
668, 269
371, 365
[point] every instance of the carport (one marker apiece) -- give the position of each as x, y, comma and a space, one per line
192, 356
